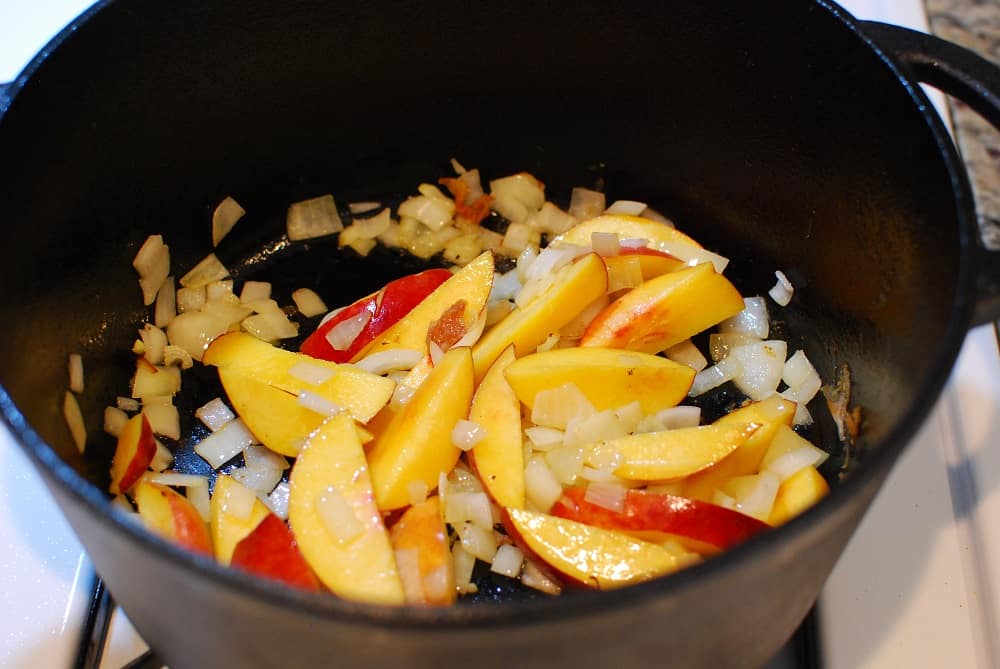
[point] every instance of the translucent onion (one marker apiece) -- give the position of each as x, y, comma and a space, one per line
752, 320
362, 207
198, 496
164, 419
389, 360
209, 269
193, 331
544, 438
308, 302
565, 463
468, 507
127, 404
555, 407
223, 445
467, 434
239, 501
277, 501
607, 495
114, 420
162, 459
782, 290
225, 216
154, 341
679, 416
551, 259
626, 207
686, 353
585, 203
798, 369
762, 365
221, 289
720, 344
714, 376
464, 562
270, 325
479, 542
598, 426
151, 381
417, 491
625, 274
338, 515
176, 479
516, 238
754, 494
343, 334
408, 566
254, 291
175, 355
152, 263
318, 404
309, 373
551, 220
507, 561
505, 286
74, 421
258, 457
433, 212
166, 303
214, 414
605, 243
316, 217
190, 299
260, 481
533, 577
787, 465
75, 370
540, 486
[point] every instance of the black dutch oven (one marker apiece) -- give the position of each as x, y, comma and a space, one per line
784, 134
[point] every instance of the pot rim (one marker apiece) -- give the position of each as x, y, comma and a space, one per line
571, 603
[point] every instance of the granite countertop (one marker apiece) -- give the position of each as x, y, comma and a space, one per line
975, 24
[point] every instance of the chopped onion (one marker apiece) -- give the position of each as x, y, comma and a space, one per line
576, 327
193, 331
372, 227
606, 495
198, 496
626, 207
150, 380
516, 238
214, 414
310, 373
166, 303
255, 290
633, 243
625, 274
316, 217
154, 341
434, 212
75, 369
754, 494
496, 311
114, 420
551, 259
540, 486
261, 458
720, 344
679, 416
554, 407
753, 320
164, 419
480, 542
152, 263
74, 421
507, 561
544, 438
604, 456
318, 403
598, 426
417, 491
714, 376
270, 326
585, 203
190, 299
551, 342
523, 262
226, 443
176, 479
174, 355
605, 244
688, 354
533, 577
798, 369
551, 219
787, 465
338, 516
517, 196
220, 289
260, 481
594, 474
463, 562
565, 463
277, 501
505, 286
239, 500
205, 272
308, 302
762, 365
389, 360
435, 351
162, 459
782, 290
224, 218
468, 507
343, 334
467, 434
127, 404
408, 567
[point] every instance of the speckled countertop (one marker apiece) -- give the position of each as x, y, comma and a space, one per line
976, 25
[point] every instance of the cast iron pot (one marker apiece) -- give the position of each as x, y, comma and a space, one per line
785, 134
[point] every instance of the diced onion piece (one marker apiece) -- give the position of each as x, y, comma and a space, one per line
716, 375
260, 481
343, 334
277, 501
389, 360
164, 419
318, 403
198, 496
544, 438
625, 274
154, 341
362, 207
607, 495
540, 486
754, 494
176, 479
74, 421
598, 426
585, 203
524, 261
75, 370
551, 260
150, 380
686, 353
721, 343
507, 561
497, 311
594, 474
433, 212
467, 434
468, 507
551, 219
157, 400
462, 480
464, 562
239, 501
505, 286
762, 365
308, 302
517, 196
576, 327
214, 414
785, 466
372, 227
555, 407
477, 541
114, 420
254, 291
565, 462
220, 289
310, 373
166, 303
679, 416
205, 272
605, 243
782, 290
162, 459
338, 515
798, 369
152, 263
175, 355
316, 217
533, 577
408, 566
752, 320
225, 443
190, 299
629, 415
417, 491
626, 207
261, 458
127, 404
516, 238
224, 218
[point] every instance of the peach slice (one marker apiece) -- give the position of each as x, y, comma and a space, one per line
133, 453
665, 311
796, 494
244, 356
574, 287
769, 413
270, 551
609, 378
594, 557
471, 284
172, 516
228, 528
416, 444
499, 456
672, 454
421, 536
350, 552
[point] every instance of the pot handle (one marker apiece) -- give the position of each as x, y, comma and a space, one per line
975, 81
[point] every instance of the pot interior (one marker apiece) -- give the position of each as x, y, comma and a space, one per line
791, 149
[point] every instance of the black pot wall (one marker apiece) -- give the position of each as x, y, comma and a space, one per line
770, 130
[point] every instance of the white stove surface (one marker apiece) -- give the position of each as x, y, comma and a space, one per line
915, 587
